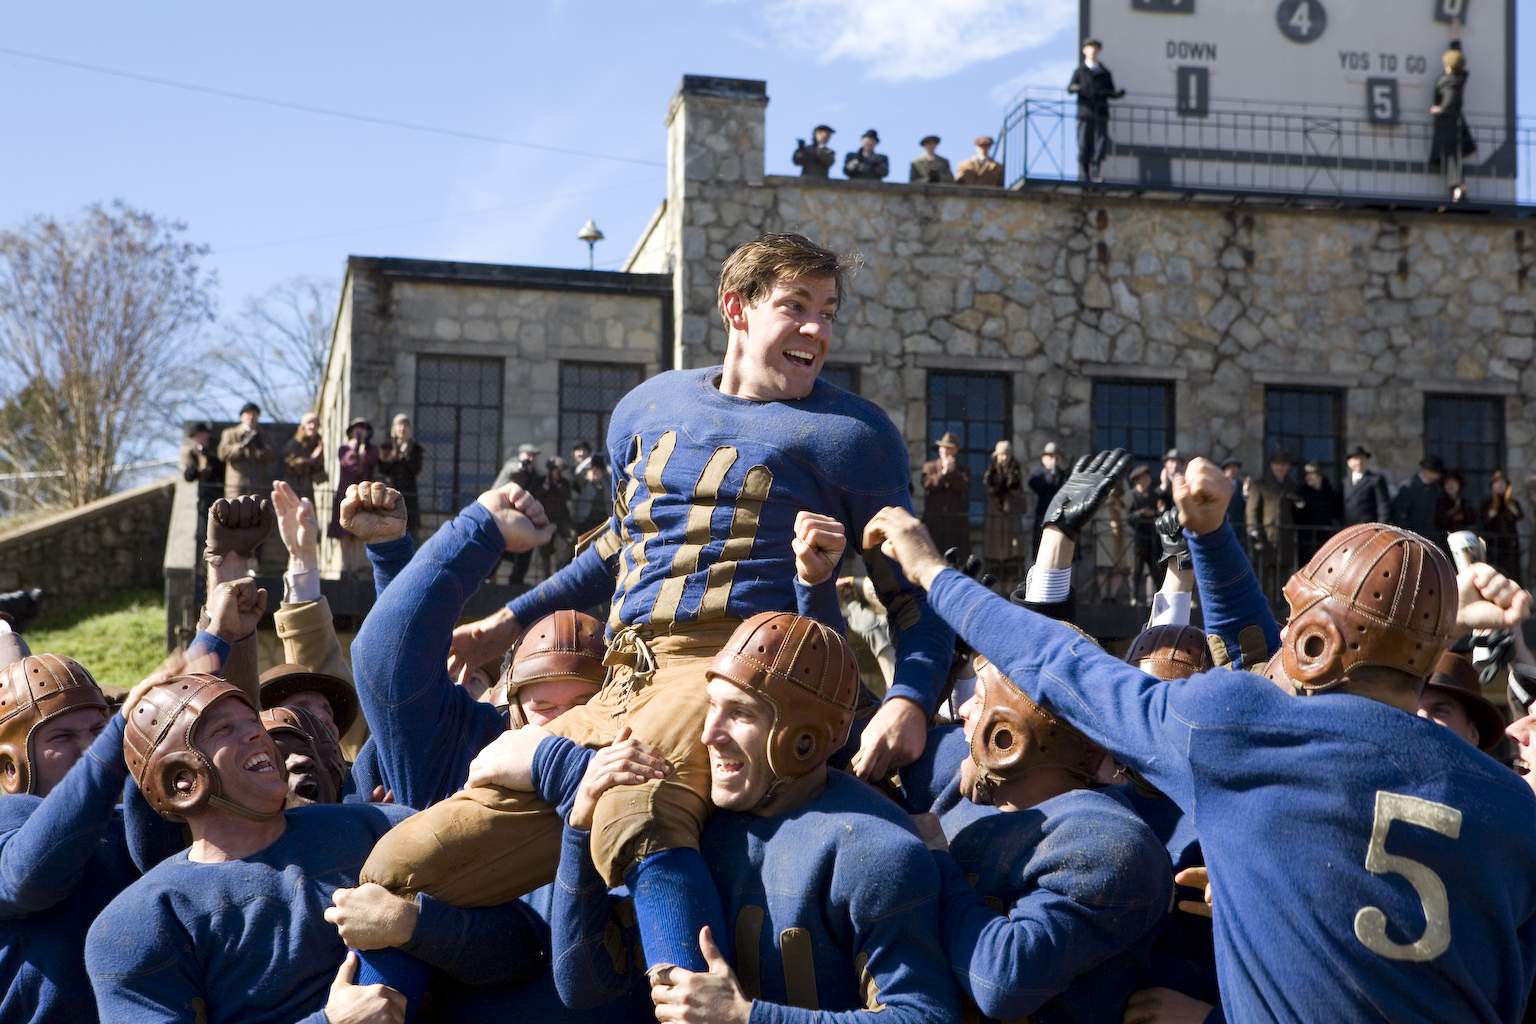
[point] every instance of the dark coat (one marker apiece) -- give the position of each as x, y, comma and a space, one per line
814, 161
874, 167
1094, 87
303, 466
1450, 132
400, 464
1045, 483
1366, 501
1417, 507
946, 509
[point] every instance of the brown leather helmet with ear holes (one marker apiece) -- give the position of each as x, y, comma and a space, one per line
1373, 595
807, 673
34, 690
562, 645
1013, 735
1170, 652
160, 744
324, 745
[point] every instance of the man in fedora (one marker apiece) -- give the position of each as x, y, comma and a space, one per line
930, 168
523, 471
1045, 481
1417, 504
1272, 504
947, 486
864, 164
1453, 697
1365, 490
815, 160
247, 454
980, 168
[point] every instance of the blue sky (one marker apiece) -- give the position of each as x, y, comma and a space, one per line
278, 192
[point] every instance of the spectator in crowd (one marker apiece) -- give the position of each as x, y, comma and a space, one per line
1145, 506
593, 503
815, 160
304, 457
200, 465
581, 451
400, 465
1452, 140
864, 164
523, 470
247, 455
556, 500
980, 168
1499, 524
1456, 512
1045, 481
1112, 554
1453, 697
947, 486
1417, 504
1365, 491
1317, 515
1002, 543
358, 460
1530, 499
1173, 465
1237, 509
930, 168
1095, 87
1272, 505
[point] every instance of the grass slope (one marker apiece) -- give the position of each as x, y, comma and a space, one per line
119, 637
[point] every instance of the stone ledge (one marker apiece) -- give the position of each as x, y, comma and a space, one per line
73, 517
1129, 372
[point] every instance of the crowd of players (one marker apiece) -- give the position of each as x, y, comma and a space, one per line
695, 812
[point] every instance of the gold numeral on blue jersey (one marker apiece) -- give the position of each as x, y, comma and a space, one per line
1371, 922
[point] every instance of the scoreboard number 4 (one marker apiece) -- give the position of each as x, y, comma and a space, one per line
1371, 922
1302, 21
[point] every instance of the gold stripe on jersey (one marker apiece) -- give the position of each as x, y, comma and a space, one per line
706, 495
749, 930
661, 451
738, 545
799, 968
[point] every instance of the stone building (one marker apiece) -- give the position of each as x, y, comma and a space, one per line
1088, 319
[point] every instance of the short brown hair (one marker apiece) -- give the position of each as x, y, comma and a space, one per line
754, 267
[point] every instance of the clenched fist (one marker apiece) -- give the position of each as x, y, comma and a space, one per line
1201, 494
373, 513
818, 545
237, 526
524, 526
235, 609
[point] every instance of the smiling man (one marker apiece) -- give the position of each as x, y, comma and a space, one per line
717, 467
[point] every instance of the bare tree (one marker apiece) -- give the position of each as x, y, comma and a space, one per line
97, 320
275, 348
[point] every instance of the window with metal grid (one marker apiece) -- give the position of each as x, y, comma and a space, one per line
458, 420
1467, 433
844, 375
588, 393
978, 409
1136, 415
1307, 423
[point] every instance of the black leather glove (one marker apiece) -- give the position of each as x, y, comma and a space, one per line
1085, 490
1175, 545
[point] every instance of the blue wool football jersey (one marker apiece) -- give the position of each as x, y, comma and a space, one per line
1366, 864
707, 490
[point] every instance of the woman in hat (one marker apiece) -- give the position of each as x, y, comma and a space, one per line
359, 462
1499, 524
1145, 506
947, 485
1456, 512
1002, 543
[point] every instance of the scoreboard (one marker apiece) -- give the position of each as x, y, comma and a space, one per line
1289, 94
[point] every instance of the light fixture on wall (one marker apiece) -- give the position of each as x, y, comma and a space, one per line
591, 234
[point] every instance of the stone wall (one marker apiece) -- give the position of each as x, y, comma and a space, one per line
1057, 289
112, 544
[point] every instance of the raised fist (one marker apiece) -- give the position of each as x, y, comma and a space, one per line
818, 545
1085, 490
237, 526
1201, 495
1171, 533
901, 537
373, 513
235, 608
524, 526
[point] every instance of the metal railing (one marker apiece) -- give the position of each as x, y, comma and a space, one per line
1296, 150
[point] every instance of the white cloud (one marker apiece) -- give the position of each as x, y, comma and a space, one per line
906, 40
1048, 74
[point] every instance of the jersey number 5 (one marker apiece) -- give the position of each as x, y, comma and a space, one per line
1371, 922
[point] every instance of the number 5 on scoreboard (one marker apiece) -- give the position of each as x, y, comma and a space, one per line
1381, 100
1371, 922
